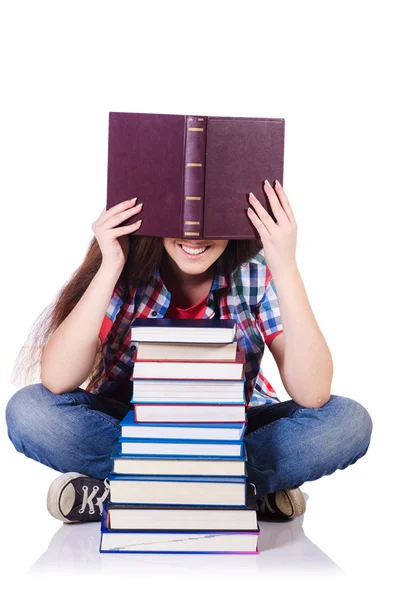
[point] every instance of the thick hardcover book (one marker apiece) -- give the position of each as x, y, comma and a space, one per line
130, 428
175, 351
170, 448
198, 369
130, 464
180, 518
188, 391
183, 330
165, 489
193, 173
179, 542
189, 413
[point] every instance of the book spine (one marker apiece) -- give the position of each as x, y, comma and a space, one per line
194, 177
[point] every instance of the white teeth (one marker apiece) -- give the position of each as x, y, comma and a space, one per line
191, 251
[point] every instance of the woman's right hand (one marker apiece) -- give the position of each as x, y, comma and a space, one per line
114, 241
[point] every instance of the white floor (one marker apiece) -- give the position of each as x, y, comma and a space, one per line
346, 535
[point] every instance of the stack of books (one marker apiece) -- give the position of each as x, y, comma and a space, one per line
179, 467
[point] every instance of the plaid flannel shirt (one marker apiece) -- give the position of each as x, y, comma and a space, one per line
248, 296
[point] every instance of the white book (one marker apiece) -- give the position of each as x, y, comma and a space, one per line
177, 351
151, 518
219, 331
209, 542
133, 465
130, 428
189, 413
203, 370
180, 448
187, 391
192, 542
142, 517
141, 489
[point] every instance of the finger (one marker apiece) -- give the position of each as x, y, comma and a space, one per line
127, 229
123, 216
277, 208
262, 214
118, 208
258, 223
285, 202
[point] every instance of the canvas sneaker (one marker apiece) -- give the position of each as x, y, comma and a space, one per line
74, 498
282, 505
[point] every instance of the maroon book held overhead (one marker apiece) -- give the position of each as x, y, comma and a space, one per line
193, 173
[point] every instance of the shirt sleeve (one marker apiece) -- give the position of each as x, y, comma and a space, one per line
268, 312
105, 328
110, 315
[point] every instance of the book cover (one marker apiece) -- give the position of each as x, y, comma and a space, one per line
186, 351
164, 323
178, 447
223, 466
177, 490
179, 542
193, 173
130, 428
201, 369
193, 331
109, 507
158, 412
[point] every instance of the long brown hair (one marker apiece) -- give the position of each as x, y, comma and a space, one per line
144, 257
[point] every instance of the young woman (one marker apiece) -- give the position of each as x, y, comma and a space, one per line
87, 336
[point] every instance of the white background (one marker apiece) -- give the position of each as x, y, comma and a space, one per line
328, 68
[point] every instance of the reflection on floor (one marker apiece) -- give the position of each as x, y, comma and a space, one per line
282, 546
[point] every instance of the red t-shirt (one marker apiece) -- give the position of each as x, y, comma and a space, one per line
192, 312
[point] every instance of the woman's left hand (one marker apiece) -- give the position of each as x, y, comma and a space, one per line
278, 239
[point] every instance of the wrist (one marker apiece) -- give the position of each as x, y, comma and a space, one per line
111, 268
284, 270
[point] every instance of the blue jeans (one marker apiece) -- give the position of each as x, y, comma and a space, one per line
286, 443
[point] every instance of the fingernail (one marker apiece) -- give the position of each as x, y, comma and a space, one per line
133, 199
267, 183
138, 205
278, 183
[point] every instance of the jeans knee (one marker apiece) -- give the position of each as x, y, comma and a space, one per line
17, 409
25, 413
355, 424
361, 423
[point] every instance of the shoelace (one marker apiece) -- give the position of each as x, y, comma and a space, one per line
265, 504
88, 499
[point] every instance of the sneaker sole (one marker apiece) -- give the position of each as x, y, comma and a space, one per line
297, 501
54, 494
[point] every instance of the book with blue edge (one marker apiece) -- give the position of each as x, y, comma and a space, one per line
130, 428
177, 489
190, 448
141, 528
200, 412
179, 542
164, 516
130, 464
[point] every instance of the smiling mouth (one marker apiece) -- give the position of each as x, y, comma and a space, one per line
193, 250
